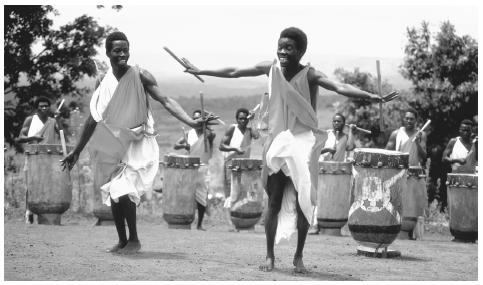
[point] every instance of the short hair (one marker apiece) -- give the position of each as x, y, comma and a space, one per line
340, 115
241, 110
41, 99
297, 35
411, 110
467, 122
115, 36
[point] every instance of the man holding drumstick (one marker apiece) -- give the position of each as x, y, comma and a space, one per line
291, 152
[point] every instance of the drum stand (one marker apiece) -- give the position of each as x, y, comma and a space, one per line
374, 252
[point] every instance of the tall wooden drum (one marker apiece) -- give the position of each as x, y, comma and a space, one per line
181, 178
414, 200
49, 188
246, 192
102, 173
333, 196
463, 206
375, 216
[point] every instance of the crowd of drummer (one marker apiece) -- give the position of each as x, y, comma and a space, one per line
460, 154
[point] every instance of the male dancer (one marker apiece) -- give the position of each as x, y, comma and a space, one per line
291, 151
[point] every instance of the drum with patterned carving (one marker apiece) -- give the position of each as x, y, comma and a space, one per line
463, 206
375, 216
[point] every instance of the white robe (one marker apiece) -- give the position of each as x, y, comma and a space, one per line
139, 159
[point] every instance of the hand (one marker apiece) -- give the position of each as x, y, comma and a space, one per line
56, 114
192, 69
36, 138
331, 150
187, 146
208, 120
352, 127
251, 115
69, 161
240, 151
418, 137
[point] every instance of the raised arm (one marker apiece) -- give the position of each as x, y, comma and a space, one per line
182, 143
233, 72
23, 136
320, 79
350, 140
421, 145
173, 107
447, 153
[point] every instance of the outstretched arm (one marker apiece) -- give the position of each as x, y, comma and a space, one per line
89, 127
233, 72
318, 78
173, 107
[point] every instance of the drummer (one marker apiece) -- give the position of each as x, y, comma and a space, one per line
193, 143
458, 148
336, 148
38, 128
402, 140
236, 144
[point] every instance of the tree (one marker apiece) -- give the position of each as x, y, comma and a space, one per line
63, 59
365, 113
444, 74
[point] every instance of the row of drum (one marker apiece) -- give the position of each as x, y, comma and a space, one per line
378, 195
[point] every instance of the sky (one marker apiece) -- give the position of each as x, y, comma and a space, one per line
215, 35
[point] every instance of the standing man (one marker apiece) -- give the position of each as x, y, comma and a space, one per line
39, 128
291, 151
458, 148
236, 144
338, 143
402, 140
194, 145
122, 144
336, 148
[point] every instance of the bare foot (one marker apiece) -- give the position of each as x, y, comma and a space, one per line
314, 232
269, 265
117, 247
131, 247
233, 230
299, 265
201, 229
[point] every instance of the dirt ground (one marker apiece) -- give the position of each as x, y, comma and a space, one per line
76, 251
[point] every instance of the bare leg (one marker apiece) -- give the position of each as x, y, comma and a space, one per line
275, 185
302, 229
129, 209
201, 214
118, 216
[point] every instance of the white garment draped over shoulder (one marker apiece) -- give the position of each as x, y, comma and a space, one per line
293, 146
124, 135
459, 152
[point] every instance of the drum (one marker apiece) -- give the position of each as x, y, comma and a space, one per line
181, 178
246, 192
49, 188
414, 200
102, 171
375, 216
463, 206
333, 196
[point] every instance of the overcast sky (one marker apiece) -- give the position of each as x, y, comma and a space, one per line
240, 35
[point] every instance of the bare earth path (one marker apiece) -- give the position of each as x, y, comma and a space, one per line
76, 251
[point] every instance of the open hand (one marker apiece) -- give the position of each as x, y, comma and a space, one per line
69, 161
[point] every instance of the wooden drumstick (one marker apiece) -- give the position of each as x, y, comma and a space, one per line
379, 87
183, 63
422, 129
361, 130
205, 139
62, 141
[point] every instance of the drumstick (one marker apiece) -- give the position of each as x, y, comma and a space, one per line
182, 63
379, 86
60, 105
362, 130
253, 111
204, 124
62, 141
422, 129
